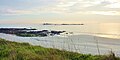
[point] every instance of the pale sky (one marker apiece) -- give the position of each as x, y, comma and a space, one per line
59, 11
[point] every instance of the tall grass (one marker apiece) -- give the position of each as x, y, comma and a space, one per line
24, 51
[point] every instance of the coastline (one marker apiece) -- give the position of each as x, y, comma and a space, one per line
29, 32
77, 43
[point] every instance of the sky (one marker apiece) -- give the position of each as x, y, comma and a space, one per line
59, 11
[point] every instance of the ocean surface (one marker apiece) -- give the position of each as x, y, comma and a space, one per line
87, 39
108, 30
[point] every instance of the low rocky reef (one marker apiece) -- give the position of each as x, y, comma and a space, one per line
30, 32
60, 24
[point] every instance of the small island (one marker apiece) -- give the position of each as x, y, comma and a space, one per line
29, 32
60, 24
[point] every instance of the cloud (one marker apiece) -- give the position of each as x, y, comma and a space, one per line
10, 11
99, 7
68, 4
107, 13
114, 5
104, 12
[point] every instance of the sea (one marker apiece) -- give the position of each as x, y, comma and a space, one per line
108, 30
90, 38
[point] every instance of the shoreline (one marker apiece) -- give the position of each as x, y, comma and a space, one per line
84, 43
30, 32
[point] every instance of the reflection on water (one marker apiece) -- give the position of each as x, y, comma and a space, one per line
110, 30
84, 41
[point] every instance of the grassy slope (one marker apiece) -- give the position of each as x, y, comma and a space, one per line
24, 51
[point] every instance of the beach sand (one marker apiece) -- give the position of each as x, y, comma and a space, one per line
86, 44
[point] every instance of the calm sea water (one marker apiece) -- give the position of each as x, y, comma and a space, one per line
109, 30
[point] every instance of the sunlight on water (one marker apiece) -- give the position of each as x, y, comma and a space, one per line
109, 30
84, 37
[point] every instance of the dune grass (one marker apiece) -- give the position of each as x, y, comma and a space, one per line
24, 51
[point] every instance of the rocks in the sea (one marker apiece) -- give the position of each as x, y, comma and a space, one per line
57, 32
14, 30
25, 32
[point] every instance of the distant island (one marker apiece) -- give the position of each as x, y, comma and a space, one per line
30, 32
60, 24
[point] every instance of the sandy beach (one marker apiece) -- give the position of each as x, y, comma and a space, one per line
86, 44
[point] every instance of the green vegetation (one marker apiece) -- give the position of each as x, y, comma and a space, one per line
30, 35
24, 51
27, 35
